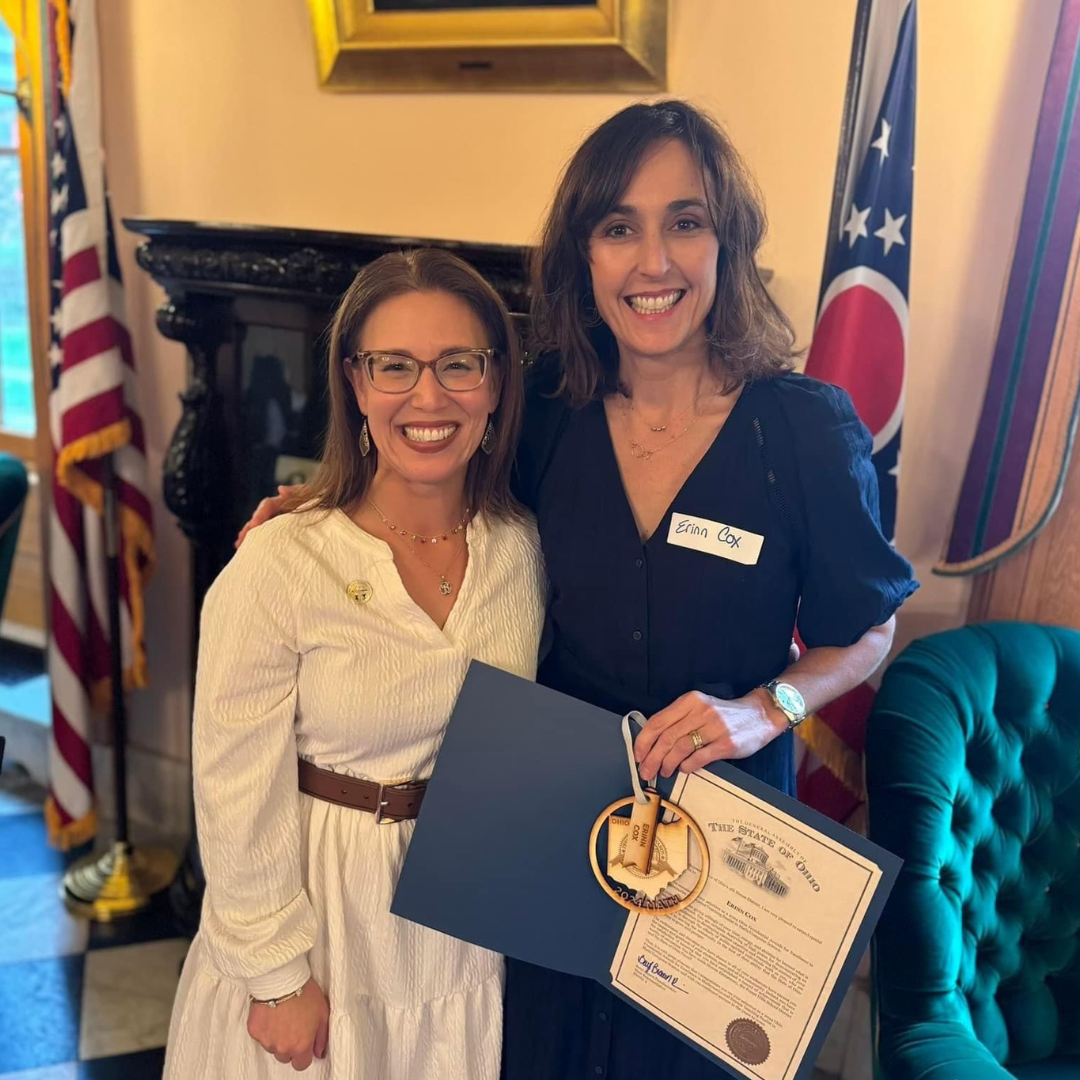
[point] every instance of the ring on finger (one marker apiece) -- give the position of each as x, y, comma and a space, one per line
696, 739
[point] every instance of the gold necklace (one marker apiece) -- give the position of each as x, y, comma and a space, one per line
419, 537
657, 428
445, 586
643, 453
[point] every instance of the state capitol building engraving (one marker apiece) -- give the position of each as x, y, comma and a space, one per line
752, 862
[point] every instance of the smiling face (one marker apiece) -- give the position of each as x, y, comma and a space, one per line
428, 434
653, 257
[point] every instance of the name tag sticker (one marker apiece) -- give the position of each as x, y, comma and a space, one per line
715, 538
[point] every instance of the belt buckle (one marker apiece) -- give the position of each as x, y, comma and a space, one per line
380, 818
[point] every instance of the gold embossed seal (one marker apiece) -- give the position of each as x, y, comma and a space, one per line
747, 1040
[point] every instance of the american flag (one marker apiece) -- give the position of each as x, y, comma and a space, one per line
91, 415
860, 341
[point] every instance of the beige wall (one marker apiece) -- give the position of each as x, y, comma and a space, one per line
212, 112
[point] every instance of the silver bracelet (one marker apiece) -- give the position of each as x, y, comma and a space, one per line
273, 1003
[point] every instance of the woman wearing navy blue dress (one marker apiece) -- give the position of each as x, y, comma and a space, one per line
665, 408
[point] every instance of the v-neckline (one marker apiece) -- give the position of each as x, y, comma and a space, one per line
613, 459
476, 526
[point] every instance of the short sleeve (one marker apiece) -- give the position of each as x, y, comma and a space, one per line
852, 577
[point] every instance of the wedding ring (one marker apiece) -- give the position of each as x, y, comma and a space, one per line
696, 739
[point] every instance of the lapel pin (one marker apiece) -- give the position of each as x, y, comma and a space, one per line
359, 592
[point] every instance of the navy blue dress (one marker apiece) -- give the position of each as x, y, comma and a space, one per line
634, 625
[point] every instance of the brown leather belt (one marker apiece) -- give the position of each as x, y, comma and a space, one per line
388, 802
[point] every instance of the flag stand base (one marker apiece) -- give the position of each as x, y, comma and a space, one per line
119, 882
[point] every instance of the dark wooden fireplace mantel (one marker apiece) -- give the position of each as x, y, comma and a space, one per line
309, 265
252, 305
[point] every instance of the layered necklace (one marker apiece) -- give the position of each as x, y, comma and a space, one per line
445, 585
643, 453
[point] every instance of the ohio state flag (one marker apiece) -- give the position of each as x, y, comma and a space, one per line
860, 341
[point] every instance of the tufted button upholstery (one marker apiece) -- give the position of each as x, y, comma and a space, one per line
973, 773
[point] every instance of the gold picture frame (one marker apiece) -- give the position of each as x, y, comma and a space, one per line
461, 45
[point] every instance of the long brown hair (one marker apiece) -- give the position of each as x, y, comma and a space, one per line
345, 475
749, 336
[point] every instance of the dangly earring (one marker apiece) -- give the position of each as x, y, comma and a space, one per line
487, 443
364, 440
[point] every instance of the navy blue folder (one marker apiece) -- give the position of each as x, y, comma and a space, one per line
499, 856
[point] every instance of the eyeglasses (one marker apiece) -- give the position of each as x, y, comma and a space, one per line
395, 373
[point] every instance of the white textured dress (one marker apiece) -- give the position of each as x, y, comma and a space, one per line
289, 664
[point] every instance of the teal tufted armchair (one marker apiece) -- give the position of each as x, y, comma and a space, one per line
13, 491
973, 775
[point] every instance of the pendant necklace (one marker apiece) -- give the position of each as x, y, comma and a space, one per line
445, 585
643, 453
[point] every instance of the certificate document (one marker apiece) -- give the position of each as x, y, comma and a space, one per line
750, 968
747, 969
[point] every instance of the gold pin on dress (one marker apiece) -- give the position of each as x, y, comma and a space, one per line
359, 592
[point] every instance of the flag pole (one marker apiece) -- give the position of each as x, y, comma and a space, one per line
117, 697
838, 211
123, 880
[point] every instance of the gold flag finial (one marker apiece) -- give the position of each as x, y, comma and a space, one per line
63, 43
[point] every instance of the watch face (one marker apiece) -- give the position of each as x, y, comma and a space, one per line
789, 699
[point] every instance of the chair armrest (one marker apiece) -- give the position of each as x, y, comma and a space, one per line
935, 1050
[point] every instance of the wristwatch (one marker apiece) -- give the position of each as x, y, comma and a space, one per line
788, 700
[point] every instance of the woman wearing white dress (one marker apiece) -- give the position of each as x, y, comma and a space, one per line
340, 635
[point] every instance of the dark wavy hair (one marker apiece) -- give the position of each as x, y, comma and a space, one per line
749, 336
345, 475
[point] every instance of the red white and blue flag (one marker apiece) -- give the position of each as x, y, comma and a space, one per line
860, 341
91, 414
